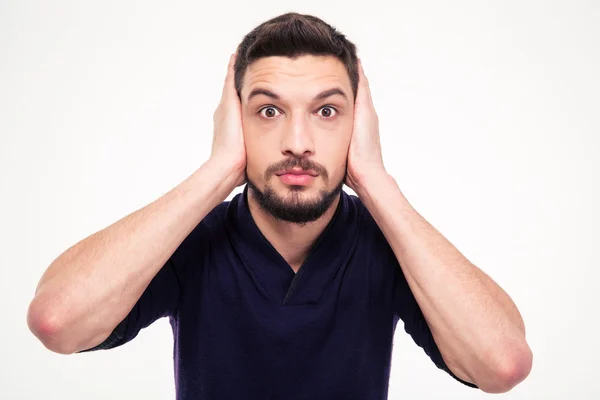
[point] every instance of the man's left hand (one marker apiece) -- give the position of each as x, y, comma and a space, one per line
364, 153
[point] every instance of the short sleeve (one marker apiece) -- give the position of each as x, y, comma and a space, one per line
403, 303
407, 309
161, 296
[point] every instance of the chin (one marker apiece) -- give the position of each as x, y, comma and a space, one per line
299, 190
295, 203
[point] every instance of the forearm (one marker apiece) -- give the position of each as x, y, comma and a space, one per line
477, 327
92, 286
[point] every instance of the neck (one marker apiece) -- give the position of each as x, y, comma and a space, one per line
293, 241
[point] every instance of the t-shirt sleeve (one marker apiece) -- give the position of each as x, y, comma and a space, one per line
408, 310
161, 296
403, 303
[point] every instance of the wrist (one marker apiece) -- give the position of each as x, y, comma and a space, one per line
371, 180
377, 186
214, 181
226, 172
380, 194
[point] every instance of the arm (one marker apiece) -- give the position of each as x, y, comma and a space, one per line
90, 288
475, 324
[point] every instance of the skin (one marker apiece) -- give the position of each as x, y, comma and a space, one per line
93, 285
295, 126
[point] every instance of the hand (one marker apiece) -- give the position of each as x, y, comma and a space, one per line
228, 149
364, 153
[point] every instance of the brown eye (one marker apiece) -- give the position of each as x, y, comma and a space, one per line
327, 112
269, 112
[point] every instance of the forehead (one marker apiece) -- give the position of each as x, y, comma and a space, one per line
294, 77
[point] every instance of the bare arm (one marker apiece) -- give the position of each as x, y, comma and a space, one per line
476, 325
90, 288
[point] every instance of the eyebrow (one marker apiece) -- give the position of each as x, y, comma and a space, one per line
323, 95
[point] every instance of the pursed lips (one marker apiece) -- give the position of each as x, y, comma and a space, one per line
296, 171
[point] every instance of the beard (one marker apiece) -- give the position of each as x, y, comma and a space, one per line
293, 208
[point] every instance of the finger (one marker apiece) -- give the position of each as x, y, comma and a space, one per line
229, 84
364, 91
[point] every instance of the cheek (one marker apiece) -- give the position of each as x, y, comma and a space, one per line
337, 140
333, 153
260, 152
338, 136
255, 163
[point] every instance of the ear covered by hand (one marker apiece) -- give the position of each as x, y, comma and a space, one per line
364, 153
228, 149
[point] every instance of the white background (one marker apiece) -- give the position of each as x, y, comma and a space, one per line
489, 118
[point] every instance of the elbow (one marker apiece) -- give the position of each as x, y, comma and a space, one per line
510, 372
46, 325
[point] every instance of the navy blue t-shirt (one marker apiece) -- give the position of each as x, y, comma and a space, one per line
246, 326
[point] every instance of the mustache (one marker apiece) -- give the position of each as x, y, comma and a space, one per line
303, 163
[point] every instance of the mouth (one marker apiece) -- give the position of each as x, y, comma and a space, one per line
296, 172
296, 177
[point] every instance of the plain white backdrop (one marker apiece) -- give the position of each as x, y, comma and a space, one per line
490, 123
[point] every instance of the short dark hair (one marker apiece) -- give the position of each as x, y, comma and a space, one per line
292, 35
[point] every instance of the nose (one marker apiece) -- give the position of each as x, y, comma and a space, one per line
297, 138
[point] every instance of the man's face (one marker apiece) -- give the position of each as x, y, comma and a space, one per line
297, 118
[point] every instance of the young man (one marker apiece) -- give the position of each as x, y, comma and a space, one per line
294, 288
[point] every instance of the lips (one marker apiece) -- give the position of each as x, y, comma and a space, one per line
296, 172
297, 178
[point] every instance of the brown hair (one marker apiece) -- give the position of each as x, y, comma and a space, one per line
292, 35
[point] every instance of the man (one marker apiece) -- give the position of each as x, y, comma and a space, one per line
294, 288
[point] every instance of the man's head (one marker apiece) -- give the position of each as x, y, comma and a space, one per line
297, 78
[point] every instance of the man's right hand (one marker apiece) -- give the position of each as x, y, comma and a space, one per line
228, 149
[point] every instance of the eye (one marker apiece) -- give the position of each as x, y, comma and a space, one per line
327, 112
268, 112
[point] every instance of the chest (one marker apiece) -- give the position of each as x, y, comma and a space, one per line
258, 326
246, 295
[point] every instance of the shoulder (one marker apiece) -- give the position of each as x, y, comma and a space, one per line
198, 242
367, 224
377, 258
370, 237
213, 223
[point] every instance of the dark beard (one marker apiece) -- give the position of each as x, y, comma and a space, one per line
293, 209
